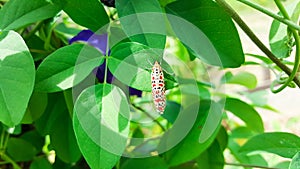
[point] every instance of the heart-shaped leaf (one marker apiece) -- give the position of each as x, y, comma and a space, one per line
207, 31
100, 119
17, 74
66, 67
18, 13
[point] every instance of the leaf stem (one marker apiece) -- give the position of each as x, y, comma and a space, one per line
106, 55
284, 20
36, 28
8, 159
297, 55
152, 118
255, 39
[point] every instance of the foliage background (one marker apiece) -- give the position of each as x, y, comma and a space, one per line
44, 135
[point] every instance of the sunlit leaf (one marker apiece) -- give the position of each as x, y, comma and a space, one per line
207, 31
18, 13
17, 74
282, 144
66, 67
100, 121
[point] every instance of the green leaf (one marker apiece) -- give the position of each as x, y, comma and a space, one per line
137, 137
36, 107
212, 158
190, 143
58, 164
246, 113
18, 13
243, 78
264, 59
56, 106
280, 39
153, 162
255, 159
20, 150
143, 22
34, 139
259, 98
130, 63
40, 162
57, 123
62, 139
35, 42
17, 74
282, 144
90, 14
242, 132
222, 138
100, 120
66, 67
207, 31
295, 161
171, 111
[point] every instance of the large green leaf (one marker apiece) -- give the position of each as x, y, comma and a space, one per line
18, 13
131, 62
62, 139
212, 158
280, 39
246, 113
143, 22
40, 162
17, 74
283, 144
90, 14
171, 111
237, 137
147, 163
190, 143
36, 107
56, 106
20, 150
57, 123
207, 31
100, 119
35, 139
66, 67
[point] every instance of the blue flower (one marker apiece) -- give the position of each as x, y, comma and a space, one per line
100, 42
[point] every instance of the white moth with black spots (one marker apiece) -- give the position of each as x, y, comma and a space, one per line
158, 88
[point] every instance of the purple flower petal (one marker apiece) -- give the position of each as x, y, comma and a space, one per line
98, 41
133, 91
100, 72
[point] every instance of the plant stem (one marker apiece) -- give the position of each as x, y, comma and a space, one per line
152, 118
8, 159
106, 55
281, 19
255, 39
2, 140
36, 28
297, 55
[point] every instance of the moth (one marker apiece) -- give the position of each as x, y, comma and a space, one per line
158, 88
